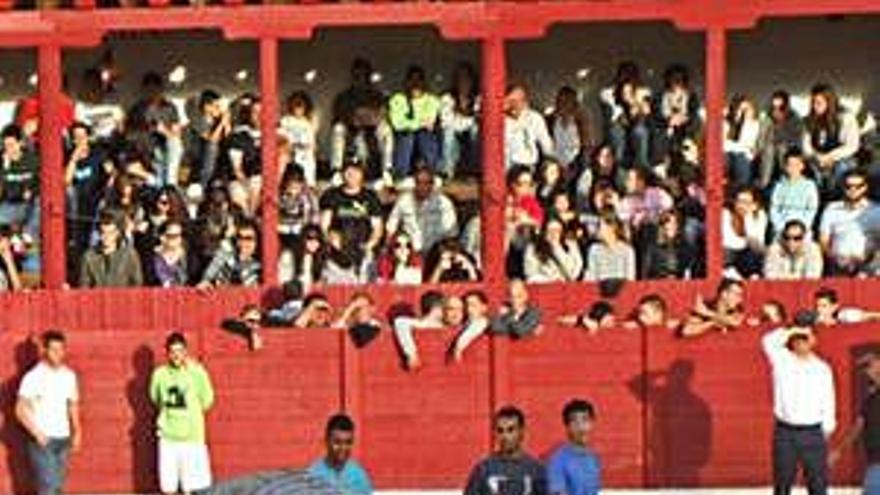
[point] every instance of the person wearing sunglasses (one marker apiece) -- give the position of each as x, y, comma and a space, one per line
794, 255
237, 265
510, 470
850, 228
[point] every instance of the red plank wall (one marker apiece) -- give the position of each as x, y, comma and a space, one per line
672, 412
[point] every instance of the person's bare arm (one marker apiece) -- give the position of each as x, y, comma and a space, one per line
24, 412
849, 438
75, 425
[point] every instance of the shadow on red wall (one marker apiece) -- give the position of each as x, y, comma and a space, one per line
13, 436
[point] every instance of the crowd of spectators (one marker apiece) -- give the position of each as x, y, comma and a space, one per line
802, 189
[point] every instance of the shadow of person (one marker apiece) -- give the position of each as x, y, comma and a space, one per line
12, 435
679, 423
142, 433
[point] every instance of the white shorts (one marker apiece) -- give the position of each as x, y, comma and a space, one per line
183, 466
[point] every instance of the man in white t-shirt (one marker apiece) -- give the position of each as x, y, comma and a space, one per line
526, 137
48, 408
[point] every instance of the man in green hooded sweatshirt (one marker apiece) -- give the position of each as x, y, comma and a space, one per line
182, 392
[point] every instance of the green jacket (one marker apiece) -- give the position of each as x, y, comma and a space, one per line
183, 395
410, 115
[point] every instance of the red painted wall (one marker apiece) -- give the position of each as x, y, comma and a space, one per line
672, 412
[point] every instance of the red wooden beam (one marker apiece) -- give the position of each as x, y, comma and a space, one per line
716, 80
51, 178
270, 170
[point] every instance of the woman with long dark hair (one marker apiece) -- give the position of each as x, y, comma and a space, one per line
831, 139
459, 122
551, 257
741, 129
744, 233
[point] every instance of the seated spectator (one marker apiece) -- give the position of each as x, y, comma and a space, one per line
246, 325
341, 266
794, 255
723, 314
459, 122
153, 124
308, 258
677, 118
238, 265
300, 126
9, 276
215, 224
570, 129
524, 216
161, 206
413, 114
781, 130
551, 178
243, 156
112, 262
850, 228
830, 141
476, 323
297, 209
612, 257
207, 130
744, 233
451, 264
359, 318
400, 263
603, 168
355, 210
552, 257
651, 312
642, 202
626, 108
670, 255
830, 312
169, 264
605, 199
526, 138
96, 109
794, 197
741, 130
424, 212
562, 207
337, 468
19, 183
430, 317
360, 131
519, 317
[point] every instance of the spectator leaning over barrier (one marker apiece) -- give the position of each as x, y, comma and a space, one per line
519, 317
574, 468
724, 313
430, 317
794, 255
337, 468
830, 312
181, 391
112, 262
651, 312
48, 408
510, 470
475, 325
850, 228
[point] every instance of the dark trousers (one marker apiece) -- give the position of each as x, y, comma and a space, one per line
49, 464
804, 445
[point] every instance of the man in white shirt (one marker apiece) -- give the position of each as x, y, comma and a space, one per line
526, 138
850, 229
803, 406
48, 408
424, 212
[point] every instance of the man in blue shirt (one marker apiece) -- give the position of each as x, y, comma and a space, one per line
338, 468
574, 468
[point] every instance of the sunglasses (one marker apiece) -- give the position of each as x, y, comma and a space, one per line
173, 235
795, 237
246, 238
854, 185
509, 429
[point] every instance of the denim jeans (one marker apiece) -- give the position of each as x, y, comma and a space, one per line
25, 213
49, 464
631, 146
455, 144
830, 180
739, 170
409, 145
871, 484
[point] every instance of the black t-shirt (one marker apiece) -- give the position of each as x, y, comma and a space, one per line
246, 141
871, 436
352, 213
497, 475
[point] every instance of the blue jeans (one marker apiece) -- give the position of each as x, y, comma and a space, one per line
454, 145
25, 214
631, 146
739, 170
871, 485
49, 464
830, 181
406, 146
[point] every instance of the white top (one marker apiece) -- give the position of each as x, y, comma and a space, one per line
301, 132
50, 391
567, 137
456, 121
755, 230
850, 230
803, 389
747, 142
103, 118
427, 222
524, 136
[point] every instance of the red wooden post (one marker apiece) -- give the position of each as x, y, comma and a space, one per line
270, 171
52, 233
716, 81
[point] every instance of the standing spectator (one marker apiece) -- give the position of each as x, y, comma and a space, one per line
795, 197
112, 262
476, 324
84, 177
744, 233
413, 114
850, 229
19, 183
612, 257
574, 468
741, 130
781, 130
670, 255
725, 313
237, 265
9, 276
243, 156
626, 106
181, 390
169, 264
459, 122
360, 130
48, 409
206, 131
300, 126
337, 468
831, 139
794, 255
509, 470
678, 117
354, 210
519, 317
526, 138
569, 128
551, 257
430, 317
425, 213
153, 123
803, 406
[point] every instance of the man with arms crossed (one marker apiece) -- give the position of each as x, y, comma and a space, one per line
574, 468
48, 408
182, 392
803, 405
